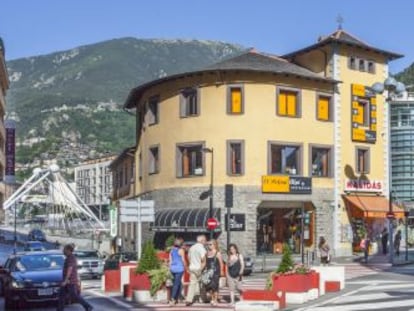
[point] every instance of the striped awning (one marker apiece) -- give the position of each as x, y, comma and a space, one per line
184, 220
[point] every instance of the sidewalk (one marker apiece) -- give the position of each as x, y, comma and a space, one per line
269, 262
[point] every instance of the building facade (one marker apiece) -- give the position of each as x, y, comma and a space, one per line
93, 180
4, 85
298, 137
123, 182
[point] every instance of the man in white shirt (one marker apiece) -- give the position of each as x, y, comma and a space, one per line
197, 261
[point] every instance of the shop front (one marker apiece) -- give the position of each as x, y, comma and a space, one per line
368, 216
285, 222
185, 223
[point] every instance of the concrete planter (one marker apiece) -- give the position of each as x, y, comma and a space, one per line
330, 274
143, 296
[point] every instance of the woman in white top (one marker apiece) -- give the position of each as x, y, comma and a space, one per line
235, 268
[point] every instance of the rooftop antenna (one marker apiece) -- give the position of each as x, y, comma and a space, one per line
340, 21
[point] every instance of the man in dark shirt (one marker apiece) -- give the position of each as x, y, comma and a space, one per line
69, 285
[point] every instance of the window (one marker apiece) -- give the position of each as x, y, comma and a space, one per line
189, 103
321, 161
235, 157
154, 160
152, 113
235, 100
361, 64
371, 66
284, 159
362, 160
288, 102
190, 160
352, 62
323, 108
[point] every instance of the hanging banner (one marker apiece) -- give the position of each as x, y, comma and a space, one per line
10, 151
113, 220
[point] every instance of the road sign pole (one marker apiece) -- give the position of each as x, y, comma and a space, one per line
139, 229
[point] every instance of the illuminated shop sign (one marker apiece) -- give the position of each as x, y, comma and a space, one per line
286, 184
355, 185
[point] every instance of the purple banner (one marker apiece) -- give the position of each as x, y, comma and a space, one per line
10, 151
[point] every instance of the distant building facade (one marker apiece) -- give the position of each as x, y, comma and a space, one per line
5, 190
93, 180
402, 147
123, 172
299, 137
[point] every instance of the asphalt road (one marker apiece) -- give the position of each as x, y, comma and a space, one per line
90, 289
387, 290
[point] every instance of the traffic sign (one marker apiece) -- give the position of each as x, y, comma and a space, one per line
212, 223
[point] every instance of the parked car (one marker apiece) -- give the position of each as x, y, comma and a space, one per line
32, 246
112, 262
90, 263
29, 278
36, 235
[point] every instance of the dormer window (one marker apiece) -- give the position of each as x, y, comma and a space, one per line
352, 62
361, 64
371, 66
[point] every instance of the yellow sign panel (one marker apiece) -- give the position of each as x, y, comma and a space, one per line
358, 90
275, 184
358, 134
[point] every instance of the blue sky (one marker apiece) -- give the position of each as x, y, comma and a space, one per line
38, 27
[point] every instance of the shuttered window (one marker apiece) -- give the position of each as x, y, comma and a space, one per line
235, 104
323, 108
288, 103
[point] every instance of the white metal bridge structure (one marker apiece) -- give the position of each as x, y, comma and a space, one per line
61, 209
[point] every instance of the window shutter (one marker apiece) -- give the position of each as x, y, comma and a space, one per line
236, 100
282, 104
291, 104
323, 108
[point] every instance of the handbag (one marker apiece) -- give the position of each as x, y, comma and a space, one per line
234, 269
207, 276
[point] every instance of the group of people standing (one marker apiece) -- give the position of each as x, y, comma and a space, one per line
205, 266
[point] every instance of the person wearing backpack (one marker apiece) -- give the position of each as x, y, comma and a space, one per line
235, 268
177, 267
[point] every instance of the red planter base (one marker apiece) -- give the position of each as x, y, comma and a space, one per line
293, 283
139, 281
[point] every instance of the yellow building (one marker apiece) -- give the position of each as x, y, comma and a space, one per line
300, 138
4, 85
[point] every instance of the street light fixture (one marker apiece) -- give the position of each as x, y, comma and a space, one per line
210, 206
393, 88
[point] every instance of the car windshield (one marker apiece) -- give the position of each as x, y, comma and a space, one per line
85, 254
40, 262
34, 245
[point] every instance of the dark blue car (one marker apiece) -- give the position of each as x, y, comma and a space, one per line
31, 277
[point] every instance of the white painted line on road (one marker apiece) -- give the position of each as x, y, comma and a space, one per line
367, 297
114, 300
332, 300
377, 287
373, 282
367, 306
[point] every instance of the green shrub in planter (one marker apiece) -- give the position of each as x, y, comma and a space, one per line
158, 277
149, 260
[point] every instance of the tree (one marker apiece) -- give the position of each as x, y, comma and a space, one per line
149, 260
287, 262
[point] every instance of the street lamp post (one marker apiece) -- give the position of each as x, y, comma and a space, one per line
392, 87
15, 228
211, 191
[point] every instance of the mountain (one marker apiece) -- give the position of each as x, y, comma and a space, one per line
68, 105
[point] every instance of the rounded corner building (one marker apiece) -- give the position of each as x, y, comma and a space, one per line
292, 143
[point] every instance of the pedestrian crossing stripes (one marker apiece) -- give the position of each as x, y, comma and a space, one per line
379, 295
